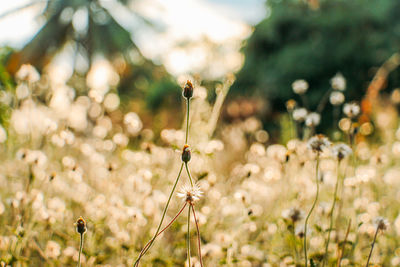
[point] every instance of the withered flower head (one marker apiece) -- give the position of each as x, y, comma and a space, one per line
340, 151
188, 90
381, 223
81, 226
186, 154
318, 143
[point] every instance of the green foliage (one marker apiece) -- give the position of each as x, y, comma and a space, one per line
297, 42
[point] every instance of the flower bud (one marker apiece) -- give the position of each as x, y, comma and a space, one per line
186, 154
81, 226
188, 90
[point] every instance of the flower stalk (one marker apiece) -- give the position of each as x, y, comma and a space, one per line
309, 213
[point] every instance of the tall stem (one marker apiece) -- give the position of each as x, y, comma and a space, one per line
331, 216
168, 225
187, 120
188, 173
80, 251
309, 213
162, 218
198, 236
372, 246
341, 252
293, 234
188, 237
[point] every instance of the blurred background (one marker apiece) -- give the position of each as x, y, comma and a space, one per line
145, 50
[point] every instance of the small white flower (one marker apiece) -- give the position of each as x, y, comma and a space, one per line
293, 214
336, 98
3, 134
381, 223
313, 119
300, 86
27, 73
190, 193
53, 249
338, 82
299, 231
340, 151
299, 114
351, 109
318, 143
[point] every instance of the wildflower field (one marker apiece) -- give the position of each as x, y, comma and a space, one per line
84, 183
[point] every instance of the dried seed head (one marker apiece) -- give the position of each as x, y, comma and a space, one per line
299, 114
188, 90
293, 214
81, 226
381, 223
318, 143
300, 86
351, 110
340, 151
186, 154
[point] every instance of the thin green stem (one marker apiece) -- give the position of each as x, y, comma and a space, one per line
188, 237
293, 234
168, 225
162, 218
309, 213
188, 172
80, 251
372, 246
198, 236
331, 215
341, 252
187, 120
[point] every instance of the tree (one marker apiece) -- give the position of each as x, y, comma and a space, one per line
298, 42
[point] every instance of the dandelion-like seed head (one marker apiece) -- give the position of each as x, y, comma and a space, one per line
351, 110
81, 226
299, 114
313, 119
336, 98
293, 214
318, 143
300, 86
338, 82
381, 223
190, 194
299, 231
340, 151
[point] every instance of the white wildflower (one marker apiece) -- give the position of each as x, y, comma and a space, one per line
338, 82
299, 114
53, 249
351, 109
313, 119
300, 86
3, 134
340, 151
336, 98
27, 73
293, 214
318, 143
190, 193
381, 223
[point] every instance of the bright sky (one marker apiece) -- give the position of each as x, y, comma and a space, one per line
223, 22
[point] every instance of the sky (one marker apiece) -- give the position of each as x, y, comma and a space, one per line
224, 22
